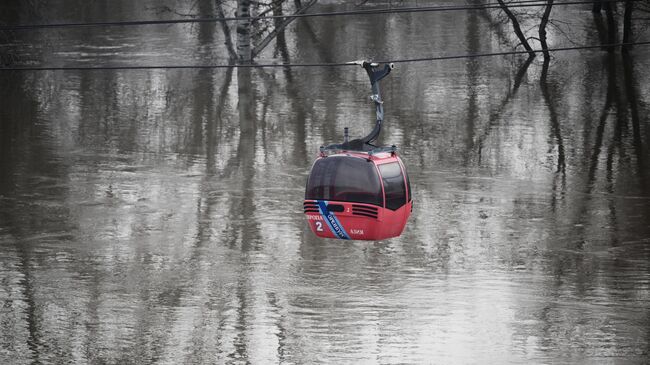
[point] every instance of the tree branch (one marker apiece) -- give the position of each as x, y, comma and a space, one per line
226, 32
265, 42
517, 29
542, 29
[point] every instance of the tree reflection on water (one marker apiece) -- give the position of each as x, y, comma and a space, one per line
154, 216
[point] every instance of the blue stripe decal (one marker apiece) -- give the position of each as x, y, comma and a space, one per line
331, 220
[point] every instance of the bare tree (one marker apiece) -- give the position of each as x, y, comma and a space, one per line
280, 26
254, 35
254, 30
627, 24
517, 28
612, 29
628, 20
226, 31
244, 50
542, 28
597, 6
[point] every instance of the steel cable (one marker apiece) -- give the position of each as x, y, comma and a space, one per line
297, 65
517, 4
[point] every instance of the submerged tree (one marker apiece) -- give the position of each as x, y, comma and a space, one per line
517, 28
258, 24
257, 32
627, 24
532, 17
244, 50
542, 29
526, 18
629, 7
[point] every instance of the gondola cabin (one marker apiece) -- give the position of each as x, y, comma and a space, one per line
358, 195
355, 189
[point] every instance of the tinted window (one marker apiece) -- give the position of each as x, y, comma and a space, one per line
344, 178
408, 185
393, 185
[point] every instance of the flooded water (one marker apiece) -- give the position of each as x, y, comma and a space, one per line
155, 216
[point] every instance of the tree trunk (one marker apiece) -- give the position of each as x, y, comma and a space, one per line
542, 29
627, 25
598, 5
611, 25
244, 50
280, 40
226, 32
517, 28
601, 29
279, 28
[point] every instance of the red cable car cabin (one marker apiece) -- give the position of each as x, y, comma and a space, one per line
360, 191
357, 195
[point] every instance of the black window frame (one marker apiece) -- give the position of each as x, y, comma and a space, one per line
395, 192
409, 196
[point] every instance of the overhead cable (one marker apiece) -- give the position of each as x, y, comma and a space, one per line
417, 9
304, 65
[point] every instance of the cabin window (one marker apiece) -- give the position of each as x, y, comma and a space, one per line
349, 179
408, 185
394, 187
